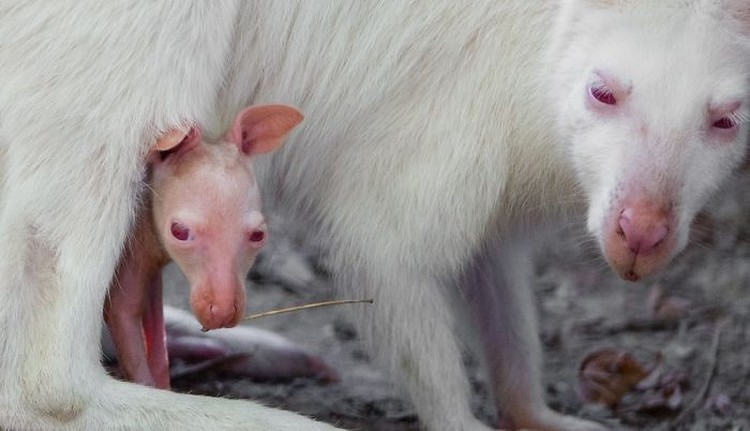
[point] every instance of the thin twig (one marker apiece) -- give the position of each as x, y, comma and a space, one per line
303, 307
713, 360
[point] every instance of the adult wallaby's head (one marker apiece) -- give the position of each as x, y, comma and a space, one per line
652, 99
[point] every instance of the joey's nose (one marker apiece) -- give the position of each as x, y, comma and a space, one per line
642, 234
221, 315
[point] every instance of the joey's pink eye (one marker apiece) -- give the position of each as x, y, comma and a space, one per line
723, 123
257, 236
180, 231
601, 93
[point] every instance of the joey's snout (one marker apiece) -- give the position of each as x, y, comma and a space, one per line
219, 304
639, 238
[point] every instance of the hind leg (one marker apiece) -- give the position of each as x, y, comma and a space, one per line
500, 298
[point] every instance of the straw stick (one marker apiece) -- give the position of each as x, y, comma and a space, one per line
303, 307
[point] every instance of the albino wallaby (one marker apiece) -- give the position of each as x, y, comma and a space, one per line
436, 134
203, 211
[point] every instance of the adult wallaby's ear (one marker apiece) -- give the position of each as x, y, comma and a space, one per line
262, 128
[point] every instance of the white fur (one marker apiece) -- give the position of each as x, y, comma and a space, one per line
432, 134
685, 56
86, 87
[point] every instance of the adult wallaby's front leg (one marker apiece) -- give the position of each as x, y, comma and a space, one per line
499, 296
421, 351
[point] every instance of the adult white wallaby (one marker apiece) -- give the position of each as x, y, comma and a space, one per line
436, 134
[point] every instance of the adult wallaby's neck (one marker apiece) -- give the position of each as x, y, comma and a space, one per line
456, 85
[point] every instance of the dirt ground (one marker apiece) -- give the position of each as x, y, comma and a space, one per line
701, 332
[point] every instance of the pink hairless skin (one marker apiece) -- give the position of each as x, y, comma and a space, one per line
203, 212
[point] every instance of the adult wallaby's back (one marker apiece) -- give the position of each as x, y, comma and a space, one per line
435, 134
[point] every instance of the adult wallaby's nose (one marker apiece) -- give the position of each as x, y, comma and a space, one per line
643, 232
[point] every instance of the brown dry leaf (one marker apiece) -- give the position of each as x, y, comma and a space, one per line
660, 393
614, 378
659, 401
664, 398
607, 374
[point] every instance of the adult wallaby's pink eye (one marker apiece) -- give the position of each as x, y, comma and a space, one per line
723, 123
180, 231
257, 236
603, 94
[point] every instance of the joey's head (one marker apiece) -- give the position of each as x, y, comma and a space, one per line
207, 207
653, 102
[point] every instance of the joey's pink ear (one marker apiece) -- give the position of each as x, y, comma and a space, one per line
262, 128
187, 137
174, 141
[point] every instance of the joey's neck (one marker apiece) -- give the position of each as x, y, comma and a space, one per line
144, 242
